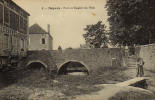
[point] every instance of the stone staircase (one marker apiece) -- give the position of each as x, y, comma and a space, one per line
131, 61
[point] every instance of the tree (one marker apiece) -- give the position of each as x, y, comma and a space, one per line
131, 21
96, 35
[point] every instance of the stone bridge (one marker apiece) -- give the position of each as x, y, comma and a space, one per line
90, 59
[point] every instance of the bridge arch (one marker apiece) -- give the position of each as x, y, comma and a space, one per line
36, 64
73, 66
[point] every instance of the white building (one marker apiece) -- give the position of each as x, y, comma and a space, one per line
39, 38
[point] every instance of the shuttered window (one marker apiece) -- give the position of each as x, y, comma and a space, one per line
6, 16
1, 14
6, 40
21, 24
25, 26
14, 21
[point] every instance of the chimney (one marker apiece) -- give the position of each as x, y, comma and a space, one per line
48, 28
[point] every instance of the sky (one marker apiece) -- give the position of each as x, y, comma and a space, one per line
67, 18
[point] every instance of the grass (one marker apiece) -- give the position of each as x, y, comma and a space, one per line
68, 85
132, 95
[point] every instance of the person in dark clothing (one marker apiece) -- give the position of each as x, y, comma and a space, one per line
140, 70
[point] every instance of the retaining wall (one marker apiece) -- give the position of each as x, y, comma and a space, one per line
147, 52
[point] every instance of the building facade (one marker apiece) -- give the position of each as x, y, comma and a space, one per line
39, 39
14, 22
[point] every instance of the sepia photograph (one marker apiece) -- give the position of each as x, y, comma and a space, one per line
77, 49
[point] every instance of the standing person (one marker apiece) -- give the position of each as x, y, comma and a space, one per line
140, 70
126, 50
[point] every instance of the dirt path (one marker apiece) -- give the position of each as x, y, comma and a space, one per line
112, 92
131, 72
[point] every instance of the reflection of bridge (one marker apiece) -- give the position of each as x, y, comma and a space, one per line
91, 59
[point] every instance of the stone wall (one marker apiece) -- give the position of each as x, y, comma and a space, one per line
147, 52
91, 58
42, 56
36, 42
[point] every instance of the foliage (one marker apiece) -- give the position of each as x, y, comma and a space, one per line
96, 35
131, 21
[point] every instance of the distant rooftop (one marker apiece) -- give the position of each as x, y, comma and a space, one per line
36, 29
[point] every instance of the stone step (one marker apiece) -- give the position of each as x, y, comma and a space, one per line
130, 62
131, 65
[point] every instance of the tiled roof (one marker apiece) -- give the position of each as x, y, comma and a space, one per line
36, 29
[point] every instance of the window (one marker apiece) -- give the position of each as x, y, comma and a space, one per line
14, 21
1, 14
6, 15
6, 40
21, 24
25, 26
43, 40
22, 44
